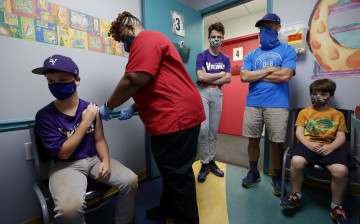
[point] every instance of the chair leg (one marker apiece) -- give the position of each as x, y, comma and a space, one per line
285, 157
43, 204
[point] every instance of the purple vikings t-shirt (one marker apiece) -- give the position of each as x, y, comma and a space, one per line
213, 64
54, 128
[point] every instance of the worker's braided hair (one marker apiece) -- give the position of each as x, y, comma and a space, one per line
123, 19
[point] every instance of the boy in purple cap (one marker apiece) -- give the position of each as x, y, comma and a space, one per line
268, 70
71, 130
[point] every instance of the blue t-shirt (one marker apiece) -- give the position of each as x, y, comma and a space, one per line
268, 94
54, 128
212, 63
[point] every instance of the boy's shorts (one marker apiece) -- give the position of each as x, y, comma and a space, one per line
336, 157
275, 120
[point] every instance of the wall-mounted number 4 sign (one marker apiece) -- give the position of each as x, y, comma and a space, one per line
238, 54
178, 23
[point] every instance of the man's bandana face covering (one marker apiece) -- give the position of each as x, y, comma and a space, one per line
318, 101
268, 38
215, 42
127, 43
62, 91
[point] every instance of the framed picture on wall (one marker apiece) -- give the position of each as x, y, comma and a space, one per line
178, 23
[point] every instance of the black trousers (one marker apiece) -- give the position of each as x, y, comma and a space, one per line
175, 154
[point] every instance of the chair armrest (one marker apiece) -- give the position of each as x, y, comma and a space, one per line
43, 204
285, 157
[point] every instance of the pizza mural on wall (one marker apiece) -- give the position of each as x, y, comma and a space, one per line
336, 48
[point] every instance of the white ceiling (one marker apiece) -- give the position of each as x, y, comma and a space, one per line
246, 9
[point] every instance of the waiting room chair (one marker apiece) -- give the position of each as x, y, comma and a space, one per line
97, 194
316, 172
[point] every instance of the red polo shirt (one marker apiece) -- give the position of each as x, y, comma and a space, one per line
170, 102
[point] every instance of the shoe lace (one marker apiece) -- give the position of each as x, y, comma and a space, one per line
250, 175
339, 211
293, 197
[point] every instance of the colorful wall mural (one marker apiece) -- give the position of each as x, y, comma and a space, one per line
42, 21
335, 46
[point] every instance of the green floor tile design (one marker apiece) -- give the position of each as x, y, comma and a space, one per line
258, 205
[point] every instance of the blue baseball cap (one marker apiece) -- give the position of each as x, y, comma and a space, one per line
270, 17
58, 62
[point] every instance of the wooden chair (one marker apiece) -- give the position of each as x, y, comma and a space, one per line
97, 194
316, 172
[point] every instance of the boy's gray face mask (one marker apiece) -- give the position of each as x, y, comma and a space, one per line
215, 42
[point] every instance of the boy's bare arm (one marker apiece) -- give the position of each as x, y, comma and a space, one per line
313, 146
223, 80
71, 144
102, 149
337, 143
202, 76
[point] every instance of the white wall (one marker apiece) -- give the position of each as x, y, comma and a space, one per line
241, 26
22, 94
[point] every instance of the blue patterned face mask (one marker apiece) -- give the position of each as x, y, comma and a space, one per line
215, 42
62, 91
268, 38
318, 101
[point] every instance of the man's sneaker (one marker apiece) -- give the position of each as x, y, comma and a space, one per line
215, 169
290, 201
251, 178
204, 171
276, 184
340, 216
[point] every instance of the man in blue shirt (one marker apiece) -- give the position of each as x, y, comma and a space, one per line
268, 70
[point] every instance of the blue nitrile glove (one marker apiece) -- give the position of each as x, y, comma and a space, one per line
127, 113
105, 113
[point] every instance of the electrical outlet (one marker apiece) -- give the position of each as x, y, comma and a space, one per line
28, 151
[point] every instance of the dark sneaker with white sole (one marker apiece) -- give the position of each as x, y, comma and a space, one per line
339, 216
290, 201
215, 169
251, 178
204, 171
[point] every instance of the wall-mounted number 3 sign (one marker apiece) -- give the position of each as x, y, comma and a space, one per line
178, 23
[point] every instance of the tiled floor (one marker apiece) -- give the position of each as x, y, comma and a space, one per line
256, 205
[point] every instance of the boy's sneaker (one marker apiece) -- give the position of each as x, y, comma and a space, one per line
340, 216
290, 201
276, 184
251, 178
215, 169
204, 171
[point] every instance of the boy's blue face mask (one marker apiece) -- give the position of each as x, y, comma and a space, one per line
62, 91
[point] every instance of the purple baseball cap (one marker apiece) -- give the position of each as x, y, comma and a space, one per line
270, 17
58, 62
